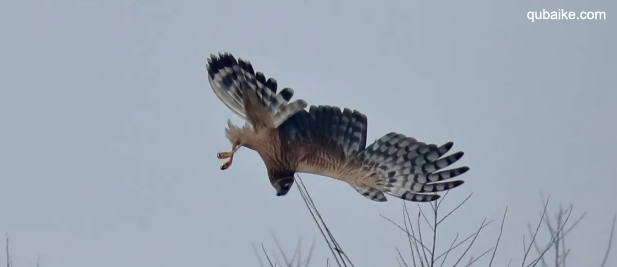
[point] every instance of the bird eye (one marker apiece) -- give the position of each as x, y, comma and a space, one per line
283, 189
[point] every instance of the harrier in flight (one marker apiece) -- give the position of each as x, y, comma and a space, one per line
325, 140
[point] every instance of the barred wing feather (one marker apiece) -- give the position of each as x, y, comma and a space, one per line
333, 144
230, 78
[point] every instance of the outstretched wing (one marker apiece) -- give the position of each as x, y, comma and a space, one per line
332, 143
233, 81
327, 139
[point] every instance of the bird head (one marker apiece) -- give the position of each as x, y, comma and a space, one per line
282, 182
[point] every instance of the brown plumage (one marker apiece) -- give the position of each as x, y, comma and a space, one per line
324, 140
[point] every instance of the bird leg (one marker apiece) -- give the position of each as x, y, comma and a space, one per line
230, 155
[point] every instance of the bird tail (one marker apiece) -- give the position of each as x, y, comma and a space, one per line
411, 169
231, 79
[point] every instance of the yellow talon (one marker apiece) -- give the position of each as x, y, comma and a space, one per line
229, 155
226, 165
224, 155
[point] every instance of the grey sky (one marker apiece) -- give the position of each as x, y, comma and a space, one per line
110, 129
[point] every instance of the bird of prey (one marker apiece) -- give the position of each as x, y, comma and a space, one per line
325, 140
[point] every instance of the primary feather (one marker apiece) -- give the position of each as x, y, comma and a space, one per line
230, 79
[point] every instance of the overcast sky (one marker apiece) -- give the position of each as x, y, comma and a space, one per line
109, 128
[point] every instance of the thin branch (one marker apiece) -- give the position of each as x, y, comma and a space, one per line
403, 229
456, 208
8, 254
610, 241
278, 245
535, 234
472, 260
553, 240
402, 259
503, 221
462, 242
261, 264
420, 235
407, 218
310, 254
484, 224
536, 246
425, 219
323, 227
304, 194
266, 253
448, 251
434, 235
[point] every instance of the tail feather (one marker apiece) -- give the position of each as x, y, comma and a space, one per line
230, 78
412, 170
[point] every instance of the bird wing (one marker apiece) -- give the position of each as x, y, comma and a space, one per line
333, 142
232, 80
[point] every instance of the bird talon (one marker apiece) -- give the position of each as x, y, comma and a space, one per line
224, 155
227, 155
226, 165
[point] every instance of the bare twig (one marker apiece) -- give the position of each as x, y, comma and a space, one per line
266, 253
420, 251
448, 251
407, 219
610, 241
484, 224
503, 221
553, 238
341, 258
8, 253
426, 255
422, 240
402, 259
455, 209
406, 230
535, 233
261, 264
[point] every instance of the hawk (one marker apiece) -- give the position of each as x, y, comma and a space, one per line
325, 140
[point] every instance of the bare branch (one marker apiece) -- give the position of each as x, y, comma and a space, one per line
434, 234
472, 260
402, 259
503, 221
335, 248
484, 224
8, 254
536, 246
278, 245
457, 207
462, 242
535, 233
422, 240
410, 235
266, 253
610, 241
261, 264
553, 240
448, 251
